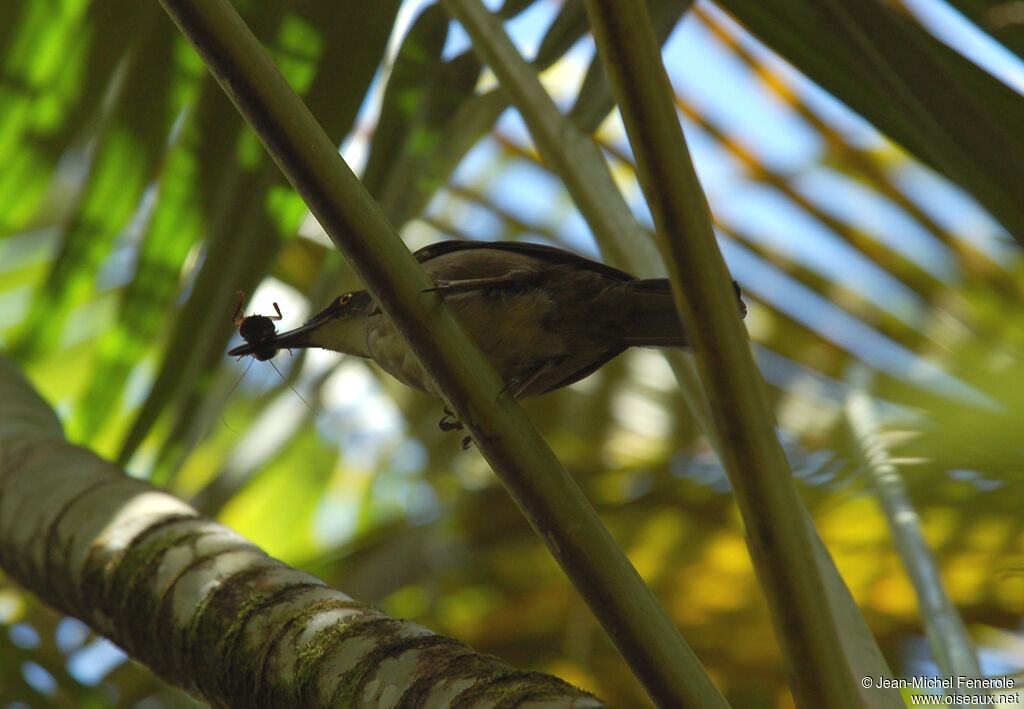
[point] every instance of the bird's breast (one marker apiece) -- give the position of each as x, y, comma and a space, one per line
390, 350
510, 329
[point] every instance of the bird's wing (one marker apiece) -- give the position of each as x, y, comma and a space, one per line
572, 377
550, 254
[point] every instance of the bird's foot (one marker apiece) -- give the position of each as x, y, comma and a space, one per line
449, 422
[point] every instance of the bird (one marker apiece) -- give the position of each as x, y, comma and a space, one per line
543, 316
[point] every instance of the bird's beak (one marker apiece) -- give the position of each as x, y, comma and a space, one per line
293, 339
341, 326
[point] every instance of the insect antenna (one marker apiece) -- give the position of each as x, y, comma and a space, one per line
294, 390
232, 391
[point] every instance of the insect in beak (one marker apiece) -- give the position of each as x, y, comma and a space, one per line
257, 330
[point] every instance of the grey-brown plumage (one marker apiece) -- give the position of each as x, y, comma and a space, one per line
543, 316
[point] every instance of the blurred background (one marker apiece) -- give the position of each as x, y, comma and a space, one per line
134, 204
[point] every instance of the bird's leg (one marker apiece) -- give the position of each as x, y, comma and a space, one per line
512, 279
466, 443
449, 422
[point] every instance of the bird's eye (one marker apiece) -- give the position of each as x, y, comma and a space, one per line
343, 299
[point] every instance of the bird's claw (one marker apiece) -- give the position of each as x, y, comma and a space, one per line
449, 422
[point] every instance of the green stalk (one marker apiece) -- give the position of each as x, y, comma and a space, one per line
540, 485
780, 541
947, 637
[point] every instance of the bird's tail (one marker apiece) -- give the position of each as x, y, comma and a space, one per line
654, 321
